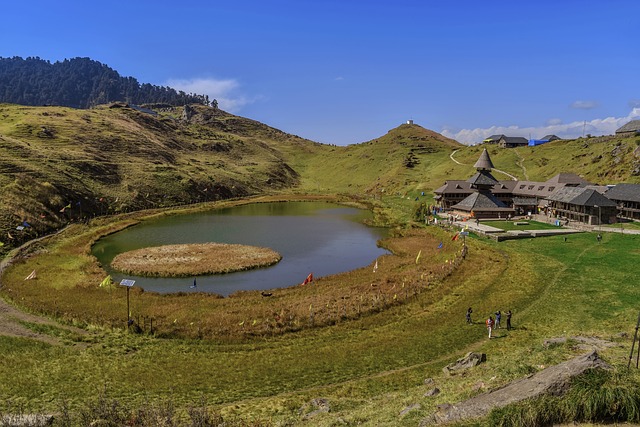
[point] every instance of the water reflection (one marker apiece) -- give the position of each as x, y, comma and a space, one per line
311, 237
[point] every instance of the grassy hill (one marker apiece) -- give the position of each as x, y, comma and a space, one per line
370, 367
60, 164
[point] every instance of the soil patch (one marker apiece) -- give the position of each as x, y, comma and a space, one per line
194, 259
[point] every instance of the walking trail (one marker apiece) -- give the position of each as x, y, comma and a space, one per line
12, 320
513, 178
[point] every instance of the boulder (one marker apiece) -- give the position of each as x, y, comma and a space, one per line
433, 392
554, 380
468, 361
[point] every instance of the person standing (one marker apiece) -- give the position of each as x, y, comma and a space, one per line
508, 320
498, 317
469, 311
489, 325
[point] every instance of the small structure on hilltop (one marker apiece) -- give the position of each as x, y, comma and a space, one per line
482, 203
543, 140
493, 139
512, 141
506, 141
630, 129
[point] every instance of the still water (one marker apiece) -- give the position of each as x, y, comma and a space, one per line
312, 237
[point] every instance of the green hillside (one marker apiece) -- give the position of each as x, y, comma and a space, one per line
60, 165
375, 366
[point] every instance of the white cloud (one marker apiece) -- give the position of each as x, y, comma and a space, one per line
634, 103
552, 122
584, 105
572, 130
225, 91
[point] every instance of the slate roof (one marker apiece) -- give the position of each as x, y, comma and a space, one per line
493, 138
484, 161
550, 138
454, 187
482, 178
632, 126
580, 196
481, 202
624, 193
503, 187
536, 189
568, 178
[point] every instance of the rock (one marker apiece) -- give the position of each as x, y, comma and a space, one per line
478, 386
410, 408
428, 381
433, 392
468, 361
314, 407
554, 341
187, 113
35, 420
555, 380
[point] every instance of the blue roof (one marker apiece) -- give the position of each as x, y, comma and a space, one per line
534, 142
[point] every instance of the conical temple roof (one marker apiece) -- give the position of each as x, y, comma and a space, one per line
484, 161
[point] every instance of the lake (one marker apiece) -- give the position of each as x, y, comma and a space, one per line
312, 237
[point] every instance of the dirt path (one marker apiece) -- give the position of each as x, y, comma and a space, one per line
520, 163
12, 320
513, 178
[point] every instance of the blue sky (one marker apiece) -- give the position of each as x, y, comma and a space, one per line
347, 71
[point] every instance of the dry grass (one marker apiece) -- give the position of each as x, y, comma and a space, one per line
194, 259
329, 300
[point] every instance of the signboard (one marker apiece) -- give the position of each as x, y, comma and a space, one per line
127, 282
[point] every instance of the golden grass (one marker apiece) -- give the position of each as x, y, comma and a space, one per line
399, 279
194, 259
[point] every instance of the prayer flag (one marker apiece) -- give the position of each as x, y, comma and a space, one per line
418, 257
440, 245
106, 282
309, 279
25, 224
31, 276
195, 285
375, 266
455, 237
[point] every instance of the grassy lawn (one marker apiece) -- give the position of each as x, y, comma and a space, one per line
369, 368
635, 225
530, 225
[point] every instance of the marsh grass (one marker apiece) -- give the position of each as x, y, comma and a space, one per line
194, 259
79, 299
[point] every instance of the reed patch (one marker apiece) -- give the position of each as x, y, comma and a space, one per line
194, 259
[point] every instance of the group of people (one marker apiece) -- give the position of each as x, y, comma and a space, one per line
492, 323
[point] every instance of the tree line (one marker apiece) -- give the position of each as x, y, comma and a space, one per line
79, 83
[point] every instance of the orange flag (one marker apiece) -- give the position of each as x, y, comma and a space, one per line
309, 279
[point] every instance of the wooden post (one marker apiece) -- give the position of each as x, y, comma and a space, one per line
635, 337
128, 312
